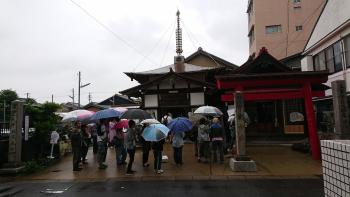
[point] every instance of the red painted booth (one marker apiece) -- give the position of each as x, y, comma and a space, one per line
264, 82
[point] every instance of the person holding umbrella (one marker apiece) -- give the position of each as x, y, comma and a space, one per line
203, 140
217, 137
156, 133
157, 148
177, 139
178, 127
86, 139
102, 131
76, 145
130, 145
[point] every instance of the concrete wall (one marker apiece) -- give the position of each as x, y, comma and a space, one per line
288, 15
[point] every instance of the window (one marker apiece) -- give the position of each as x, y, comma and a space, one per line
298, 28
330, 59
320, 61
347, 50
273, 29
297, 1
337, 51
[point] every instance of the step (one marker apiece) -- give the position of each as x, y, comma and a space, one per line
11, 192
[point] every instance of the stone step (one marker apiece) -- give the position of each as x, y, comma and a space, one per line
4, 188
11, 192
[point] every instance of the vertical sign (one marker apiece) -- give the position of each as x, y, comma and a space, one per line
15, 137
26, 128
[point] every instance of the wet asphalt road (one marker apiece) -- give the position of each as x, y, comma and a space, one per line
245, 187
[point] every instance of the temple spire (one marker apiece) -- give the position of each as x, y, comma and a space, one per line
179, 60
178, 35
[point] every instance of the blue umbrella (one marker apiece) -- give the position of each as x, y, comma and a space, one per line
180, 124
155, 132
106, 113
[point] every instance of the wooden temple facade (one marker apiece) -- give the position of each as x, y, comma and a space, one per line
181, 87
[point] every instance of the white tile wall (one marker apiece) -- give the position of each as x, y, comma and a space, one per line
336, 167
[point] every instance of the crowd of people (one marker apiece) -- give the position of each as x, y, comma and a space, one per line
209, 141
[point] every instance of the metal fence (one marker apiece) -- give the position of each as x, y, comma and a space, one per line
4, 132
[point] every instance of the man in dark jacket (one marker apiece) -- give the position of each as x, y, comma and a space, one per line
217, 138
76, 146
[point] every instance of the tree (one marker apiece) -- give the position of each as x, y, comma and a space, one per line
6, 96
44, 120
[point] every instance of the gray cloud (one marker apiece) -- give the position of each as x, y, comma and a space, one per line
44, 43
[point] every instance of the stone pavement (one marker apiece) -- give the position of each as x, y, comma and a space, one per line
273, 161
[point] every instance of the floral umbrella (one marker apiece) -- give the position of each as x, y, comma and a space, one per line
77, 115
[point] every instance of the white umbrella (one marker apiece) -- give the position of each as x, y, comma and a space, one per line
208, 110
149, 121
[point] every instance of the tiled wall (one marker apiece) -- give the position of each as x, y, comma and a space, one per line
336, 167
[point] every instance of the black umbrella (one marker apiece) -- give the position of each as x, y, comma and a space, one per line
136, 114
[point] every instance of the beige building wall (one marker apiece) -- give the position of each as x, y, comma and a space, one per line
288, 14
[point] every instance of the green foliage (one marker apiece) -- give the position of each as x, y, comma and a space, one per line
8, 96
44, 120
31, 166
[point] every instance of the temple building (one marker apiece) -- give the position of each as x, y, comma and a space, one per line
181, 87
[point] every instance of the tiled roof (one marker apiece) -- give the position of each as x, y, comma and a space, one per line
166, 69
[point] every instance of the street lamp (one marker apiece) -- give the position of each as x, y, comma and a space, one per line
79, 87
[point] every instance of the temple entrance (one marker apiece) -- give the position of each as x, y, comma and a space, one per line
175, 111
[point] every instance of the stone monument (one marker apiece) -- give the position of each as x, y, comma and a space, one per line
341, 110
241, 162
14, 164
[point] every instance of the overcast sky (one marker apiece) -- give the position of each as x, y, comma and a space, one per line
44, 43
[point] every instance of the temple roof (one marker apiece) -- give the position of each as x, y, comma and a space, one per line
134, 91
263, 63
218, 64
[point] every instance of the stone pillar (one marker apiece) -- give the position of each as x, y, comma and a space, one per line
240, 126
241, 163
341, 110
14, 164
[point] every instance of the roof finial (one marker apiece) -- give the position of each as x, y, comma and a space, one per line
178, 35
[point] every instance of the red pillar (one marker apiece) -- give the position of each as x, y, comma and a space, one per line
311, 122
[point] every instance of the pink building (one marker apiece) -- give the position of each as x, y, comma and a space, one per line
282, 26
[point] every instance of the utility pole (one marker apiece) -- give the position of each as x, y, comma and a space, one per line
4, 114
27, 95
79, 75
90, 97
79, 87
51, 98
72, 97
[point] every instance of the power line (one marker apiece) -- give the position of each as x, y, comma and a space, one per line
161, 38
166, 48
111, 31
